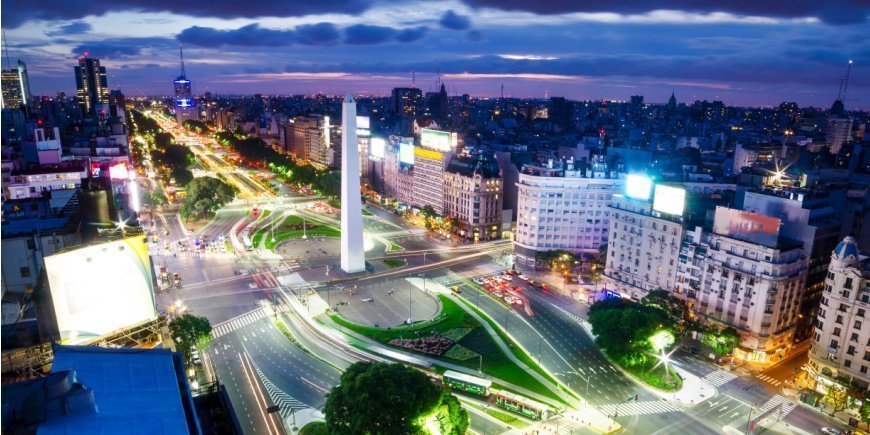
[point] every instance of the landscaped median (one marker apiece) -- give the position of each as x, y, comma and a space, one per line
454, 337
293, 227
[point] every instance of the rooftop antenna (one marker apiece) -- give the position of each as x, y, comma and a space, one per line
502, 91
846, 83
181, 55
6, 48
413, 79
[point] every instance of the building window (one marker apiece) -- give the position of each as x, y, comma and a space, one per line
857, 324
848, 283
25, 272
847, 363
836, 332
851, 350
860, 312
864, 369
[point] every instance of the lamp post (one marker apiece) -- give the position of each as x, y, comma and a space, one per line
304, 232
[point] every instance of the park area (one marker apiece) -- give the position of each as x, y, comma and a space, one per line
291, 227
454, 336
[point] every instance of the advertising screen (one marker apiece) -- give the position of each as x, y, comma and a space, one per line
101, 288
406, 153
746, 226
638, 186
362, 122
670, 200
435, 139
377, 147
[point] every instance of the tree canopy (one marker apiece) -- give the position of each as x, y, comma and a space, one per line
623, 327
188, 331
390, 399
205, 195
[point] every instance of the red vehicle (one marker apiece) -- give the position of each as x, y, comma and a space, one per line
545, 287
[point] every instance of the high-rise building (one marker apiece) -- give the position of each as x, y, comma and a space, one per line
837, 131
561, 113
25, 82
840, 349
407, 101
13, 97
91, 84
185, 106
428, 172
473, 196
564, 206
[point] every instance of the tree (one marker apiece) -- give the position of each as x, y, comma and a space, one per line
382, 399
452, 417
205, 195
721, 341
838, 398
182, 176
623, 328
864, 411
673, 307
188, 331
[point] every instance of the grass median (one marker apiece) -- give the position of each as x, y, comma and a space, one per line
474, 348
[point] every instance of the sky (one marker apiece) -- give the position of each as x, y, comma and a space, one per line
743, 52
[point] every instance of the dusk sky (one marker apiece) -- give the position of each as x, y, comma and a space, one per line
743, 52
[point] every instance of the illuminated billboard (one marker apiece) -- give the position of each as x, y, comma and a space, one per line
362, 122
746, 226
436, 139
670, 200
377, 147
101, 288
406, 153
638, 186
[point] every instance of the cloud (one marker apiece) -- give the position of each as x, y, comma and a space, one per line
830, 11
118, 48
412, 34
452, 20
74, 28
251, 35
474, 35
362, 34
17, 12
317, 34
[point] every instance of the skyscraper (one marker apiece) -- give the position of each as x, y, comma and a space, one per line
92, 85
407, 101
352, 251
185, 107
11, 84
25, 82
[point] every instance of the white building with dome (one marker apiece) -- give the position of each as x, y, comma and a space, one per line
840, 350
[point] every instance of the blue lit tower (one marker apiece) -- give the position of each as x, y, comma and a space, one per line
185, 107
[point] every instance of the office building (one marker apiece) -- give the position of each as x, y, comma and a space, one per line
473, 196
840, 349
561, 113
185, 105
428, 173
837, 132
91, 84
15, 87
643, 243
407, 101
746, 275
399, 170
564, 206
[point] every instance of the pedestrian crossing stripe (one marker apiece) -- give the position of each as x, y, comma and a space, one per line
719, 377
769, 380
237, 322
787, 406
640, 408
285, 403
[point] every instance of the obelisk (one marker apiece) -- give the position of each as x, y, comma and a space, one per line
352, 253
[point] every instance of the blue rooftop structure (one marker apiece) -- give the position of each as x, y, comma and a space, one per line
847, 248
135, 391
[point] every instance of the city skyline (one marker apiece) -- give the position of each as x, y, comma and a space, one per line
745, 56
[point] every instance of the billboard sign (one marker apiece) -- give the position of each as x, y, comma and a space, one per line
670, 200
377, 147
406, 153
746, 226
638, 186
101, 288
362, 126
436, 140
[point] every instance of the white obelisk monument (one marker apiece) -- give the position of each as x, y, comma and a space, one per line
352, 253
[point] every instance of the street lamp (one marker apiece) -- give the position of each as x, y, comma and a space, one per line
304, 233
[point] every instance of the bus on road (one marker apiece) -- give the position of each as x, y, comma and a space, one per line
467, 383
521, 405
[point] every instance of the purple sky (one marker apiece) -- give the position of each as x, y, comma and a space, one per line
743, 52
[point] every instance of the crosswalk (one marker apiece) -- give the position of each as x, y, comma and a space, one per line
787, 406
237, 322
641, 408
263, 278
719, 377
769, 380
285, 403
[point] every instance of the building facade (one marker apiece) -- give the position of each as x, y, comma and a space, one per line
473, 197
643, 248
563, 207
840, 349
91, 84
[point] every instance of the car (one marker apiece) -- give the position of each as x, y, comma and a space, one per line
368, 300
456, 289
523, 277
832, 431
545, 287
